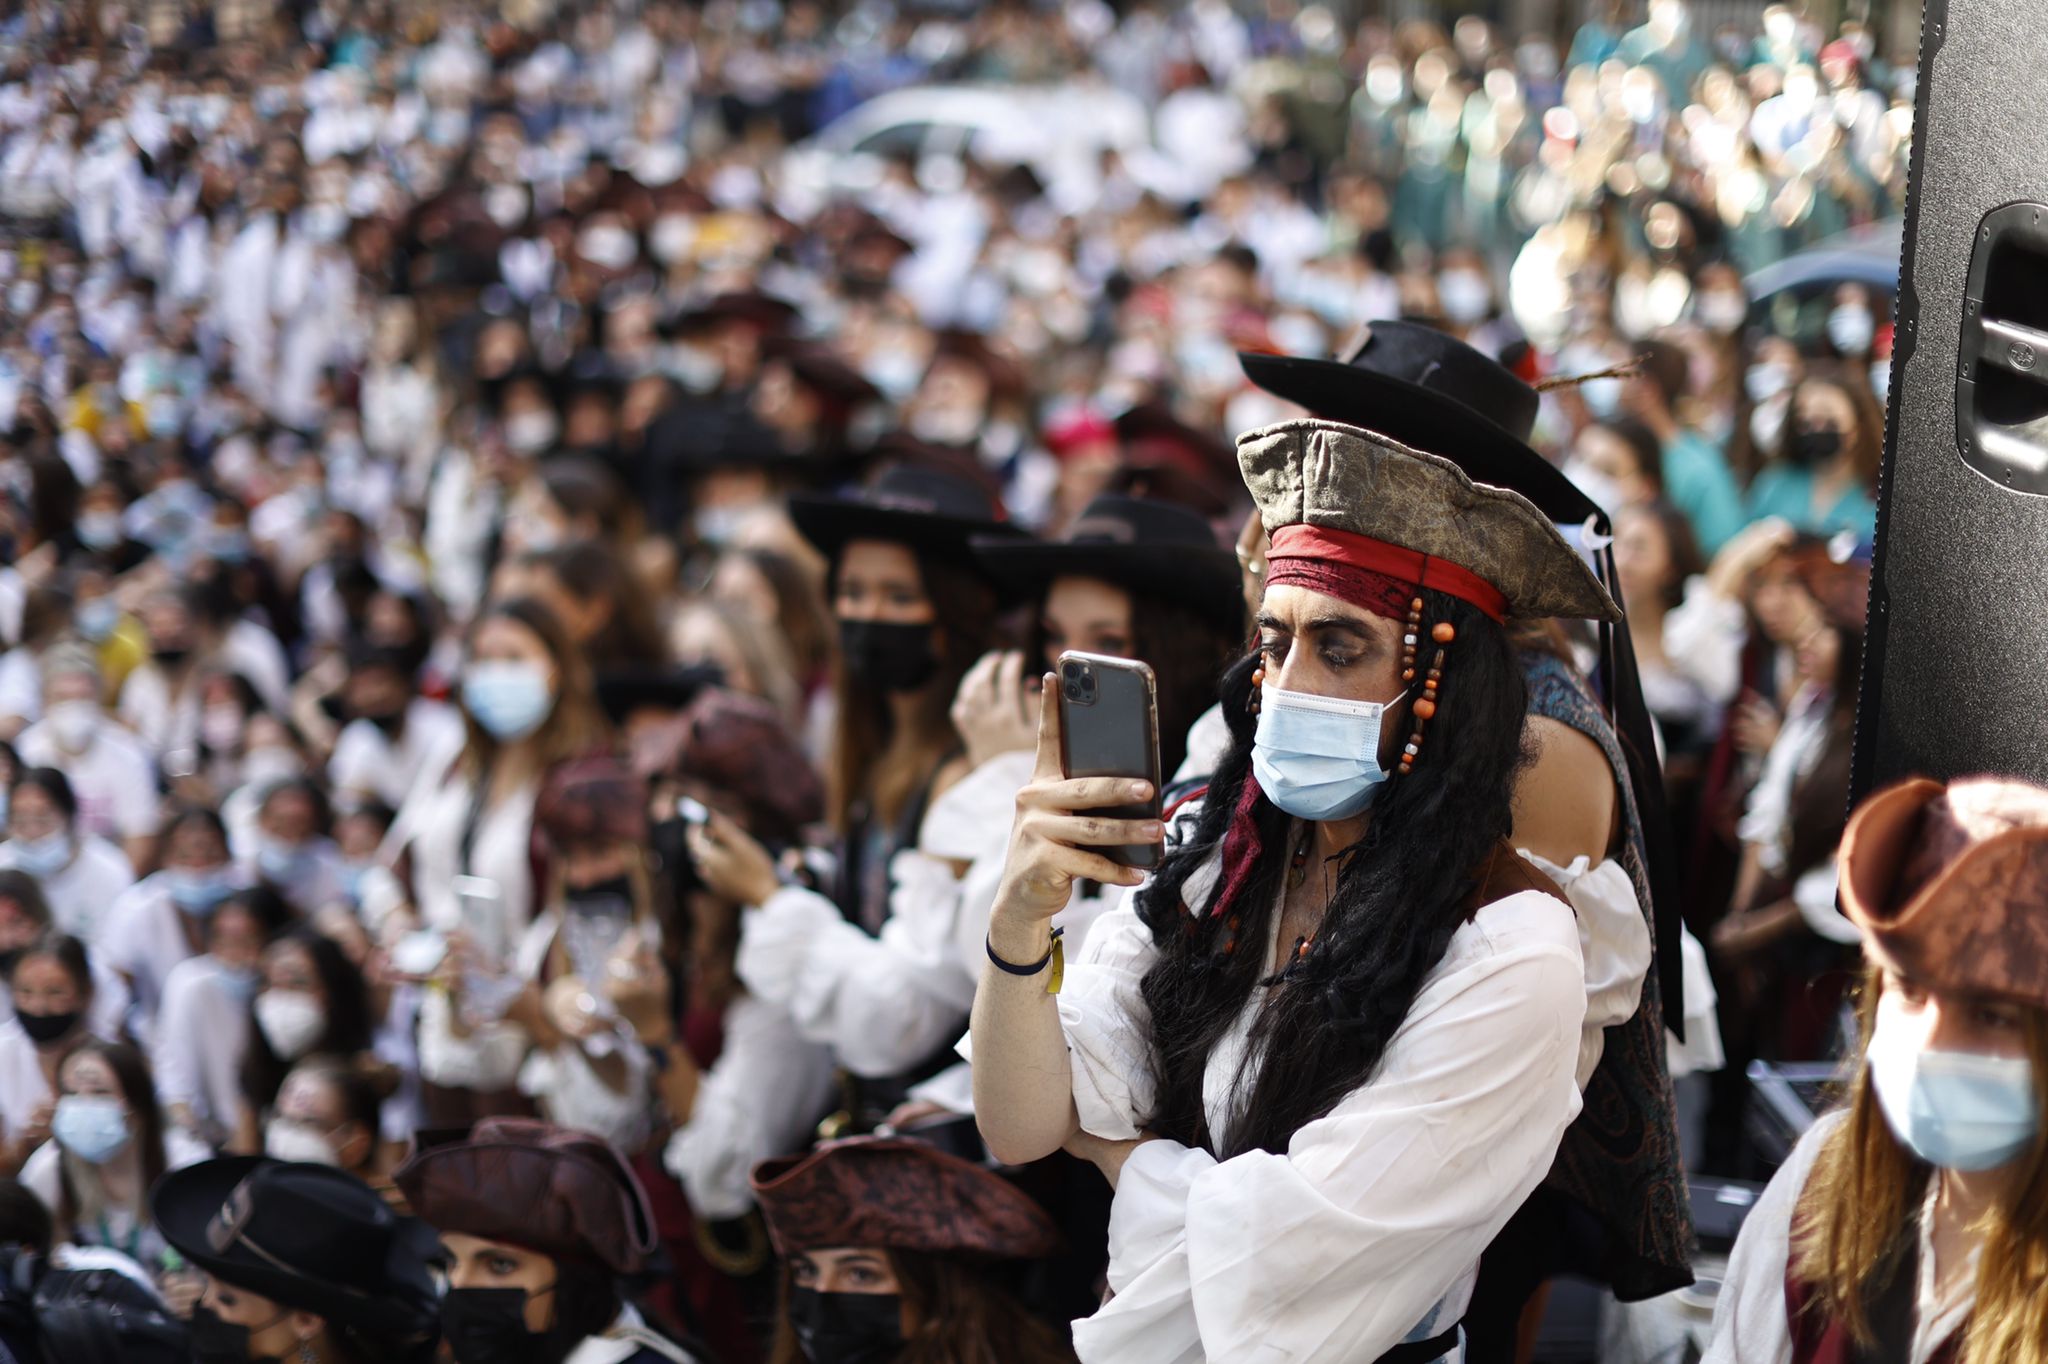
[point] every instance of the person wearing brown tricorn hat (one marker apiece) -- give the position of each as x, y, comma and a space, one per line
1611, 1210
1912, 1224
1332, 1044
542, 1228
895, 1250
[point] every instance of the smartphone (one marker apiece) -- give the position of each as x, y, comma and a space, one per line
1109, 727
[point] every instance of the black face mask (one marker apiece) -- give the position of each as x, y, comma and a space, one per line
895, 658
1810, 447
170, 655
390, 722
488, 1326
43, 1029
601, 898
846, 1328
218, 1342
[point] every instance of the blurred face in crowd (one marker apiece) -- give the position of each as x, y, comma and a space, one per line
501, 639
1642, 556
195, 845
879, 580
1089, 615
1607, 455
289, 817
18, 928
315, 1111
860, 1269
477, 1263
33, 816
1781, 603
234, 937
43, 988
1822, 407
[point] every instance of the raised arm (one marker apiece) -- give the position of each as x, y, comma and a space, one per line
1023, 1080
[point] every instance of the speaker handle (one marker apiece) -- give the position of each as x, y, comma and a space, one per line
2002, 367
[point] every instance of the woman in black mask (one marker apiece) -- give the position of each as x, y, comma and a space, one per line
1824, 480
540, 1228
894, 1251
303, 1264
915, 611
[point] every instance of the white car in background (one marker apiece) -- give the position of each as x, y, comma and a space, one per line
1058, 131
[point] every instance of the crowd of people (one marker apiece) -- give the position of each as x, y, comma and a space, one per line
527, 581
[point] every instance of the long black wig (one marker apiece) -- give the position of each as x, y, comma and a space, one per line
1401, 892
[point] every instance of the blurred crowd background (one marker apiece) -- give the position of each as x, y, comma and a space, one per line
327, 327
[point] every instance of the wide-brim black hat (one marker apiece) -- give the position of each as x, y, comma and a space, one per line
308, 1237
1431, 391
1146, 546
934, 505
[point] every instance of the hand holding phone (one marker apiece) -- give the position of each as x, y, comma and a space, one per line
1064, 832
1109, 727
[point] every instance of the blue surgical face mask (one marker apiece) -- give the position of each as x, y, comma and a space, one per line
40, 857
1953, 1109
240, 982
280, 861
511, 700
1318, 757
199, 892
93, 1127
98, 618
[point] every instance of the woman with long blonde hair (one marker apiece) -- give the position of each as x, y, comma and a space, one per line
1912, 1225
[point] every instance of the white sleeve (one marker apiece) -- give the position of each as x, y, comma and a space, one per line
1814, 893
1703, 638
173, 1054
756, 1102
1614, 941
1109, 1028
971, 819
21, 687
1342, 1247
882, 1004
1749, 1315
137, 810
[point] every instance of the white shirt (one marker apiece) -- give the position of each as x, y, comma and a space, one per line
1749, 1316
1368, 1231
431, 825
114, 779
758, 1100
202, 1031
115, 1228
366, 762
81, 892
22, 1086
143, 938
883, 1004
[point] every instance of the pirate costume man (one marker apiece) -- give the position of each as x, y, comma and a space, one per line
1614, 1207
1350, 1225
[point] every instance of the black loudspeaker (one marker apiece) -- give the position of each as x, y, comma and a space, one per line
1955, 672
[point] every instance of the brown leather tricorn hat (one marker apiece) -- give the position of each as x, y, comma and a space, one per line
591, 800
567, 1195
1950, 883
1346, 478
886, 1191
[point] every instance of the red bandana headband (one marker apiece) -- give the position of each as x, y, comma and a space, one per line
1369, 573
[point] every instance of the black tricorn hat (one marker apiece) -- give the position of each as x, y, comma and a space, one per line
925, 504
308, 1237
1431, 391
1146, 546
